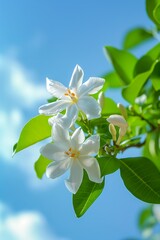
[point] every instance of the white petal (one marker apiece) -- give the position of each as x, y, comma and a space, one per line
92, 168
77, 78
57, 89
91, 145
76, 176
70, 116
122, 131
53, 152
57, 119
117, 120
77, 138
61, 136
56, 169
89, 106
53, 108
91, 86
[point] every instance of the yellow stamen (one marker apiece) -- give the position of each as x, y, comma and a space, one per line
72, 153
72, 95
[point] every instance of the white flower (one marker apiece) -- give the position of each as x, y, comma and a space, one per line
74, 98
72, 152
119, 121
57, 119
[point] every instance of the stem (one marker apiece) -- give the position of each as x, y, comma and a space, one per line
138, 145
146, 120
86, 122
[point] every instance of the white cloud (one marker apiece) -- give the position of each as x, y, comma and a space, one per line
20, 95
18, 83
25, 160
9, 124
26, 225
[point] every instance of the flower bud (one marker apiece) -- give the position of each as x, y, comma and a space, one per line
112, 131
122, 110
117, 120
120, 122
122, 132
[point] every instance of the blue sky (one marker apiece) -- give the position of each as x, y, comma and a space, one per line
48, 38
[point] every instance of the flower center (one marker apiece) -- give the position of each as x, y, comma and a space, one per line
72, 153
72, 95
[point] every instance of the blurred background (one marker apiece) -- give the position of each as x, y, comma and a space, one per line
40, 39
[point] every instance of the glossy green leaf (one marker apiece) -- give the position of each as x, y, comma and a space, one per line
154, 53
146, 61
156, 82
108, 165
136, 36
109, 107
155, 77
156, 13
152, 7
112, 81
152, 147
123, 62
34, 131
132, 90
41, 165
86, 195
141, 178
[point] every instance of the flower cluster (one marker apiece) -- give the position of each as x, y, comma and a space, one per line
70, 150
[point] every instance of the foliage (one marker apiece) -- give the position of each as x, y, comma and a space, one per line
139, 82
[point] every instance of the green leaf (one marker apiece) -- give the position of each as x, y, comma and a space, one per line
141, 178
108, 164
52, 99
156, 13
41, 165
155, 77
146, 61
34, 131
151, 148
112, 81
136, 36
154, 53
146, 218
123, 62
86, 195
132, 90
152, 7
110, 107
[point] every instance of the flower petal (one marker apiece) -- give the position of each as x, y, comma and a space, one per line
77, 138
117, 120
53, 108
57, 89
76, 176
92, 168
61, 136
89, 106
57, 119
53, 151
70, 116
91, 145
76, 78
91, 86
56, 169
